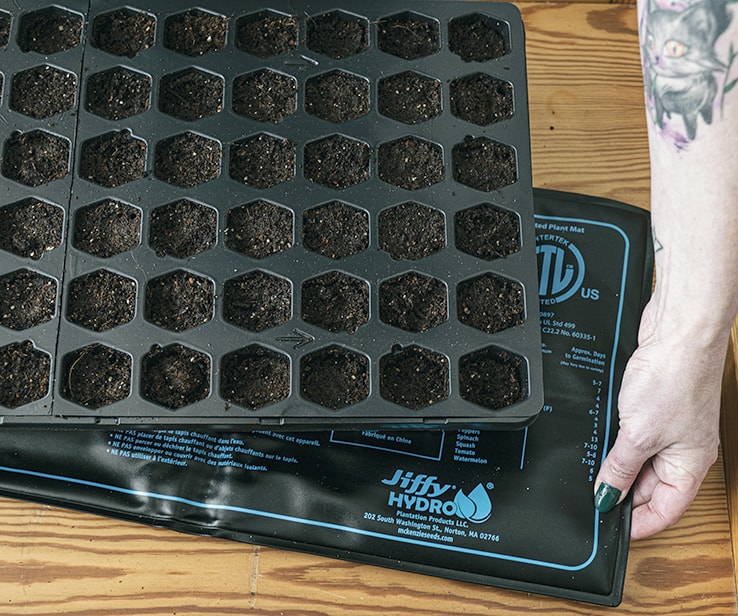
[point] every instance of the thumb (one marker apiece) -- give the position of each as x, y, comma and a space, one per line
618, 473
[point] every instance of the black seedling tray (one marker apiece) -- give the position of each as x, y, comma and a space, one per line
240, 213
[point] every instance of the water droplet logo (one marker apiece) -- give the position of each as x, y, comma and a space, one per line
560, 269
477, 507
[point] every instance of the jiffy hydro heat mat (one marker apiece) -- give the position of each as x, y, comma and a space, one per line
506, 508
235, 213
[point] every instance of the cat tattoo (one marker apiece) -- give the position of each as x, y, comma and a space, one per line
681, 62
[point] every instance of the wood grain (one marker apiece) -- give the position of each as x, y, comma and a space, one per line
729, 430
588, 135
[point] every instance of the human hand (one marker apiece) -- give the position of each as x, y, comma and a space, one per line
669, 408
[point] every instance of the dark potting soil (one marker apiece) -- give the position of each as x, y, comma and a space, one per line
43, 91
101, 300
96, 376
266, 34
5, 21
49, 31
107, 228
35, 158
187, 160
31, 227
118, 93
259, 229
179, 300
113, 159
337, 34
492, 378
410, 163
262, 161
335, 302
481, 99
411, 231
191, 94
182, 229
27, 299
484, 164
335, 230
255, 377
337, 96
24, 374
409, 97
175, 376
334, 377
409, 36
414, 377
478, 38
124, 32
265, 95
490, 303
195, 32
257, 301
337, 161
413, 302
487, 231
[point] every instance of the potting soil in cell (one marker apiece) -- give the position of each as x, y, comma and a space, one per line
506, 508
340, 197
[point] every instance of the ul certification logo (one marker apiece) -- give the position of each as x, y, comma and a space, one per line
560, 269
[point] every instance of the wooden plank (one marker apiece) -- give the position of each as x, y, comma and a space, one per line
729, 430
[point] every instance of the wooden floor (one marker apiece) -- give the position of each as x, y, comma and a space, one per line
588, 135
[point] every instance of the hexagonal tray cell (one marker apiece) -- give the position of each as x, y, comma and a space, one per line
336, 302
409, 97
195, 32
265, 95
337, 34
490, 302
337, 96
175, 376
409, 35
113, 159
414, 377
255, 376
27, 299
411, 231
107, 228
6, 19
337, 161
96, 376
481, 99
259, 229
493, 378
334, 377
267, 33
262, 160
478, 37
191, 94
36, 157
410, 163
25, 374
118, 93
187, 160
101, 300
50, 30
484, 164
182, 229
257, 300
179, 300
487, 231
123, 32
335, 230
43, 91
31, 227
413, 302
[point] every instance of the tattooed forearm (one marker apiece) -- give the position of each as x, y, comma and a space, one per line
686, 64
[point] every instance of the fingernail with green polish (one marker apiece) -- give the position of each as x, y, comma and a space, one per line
606, 497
